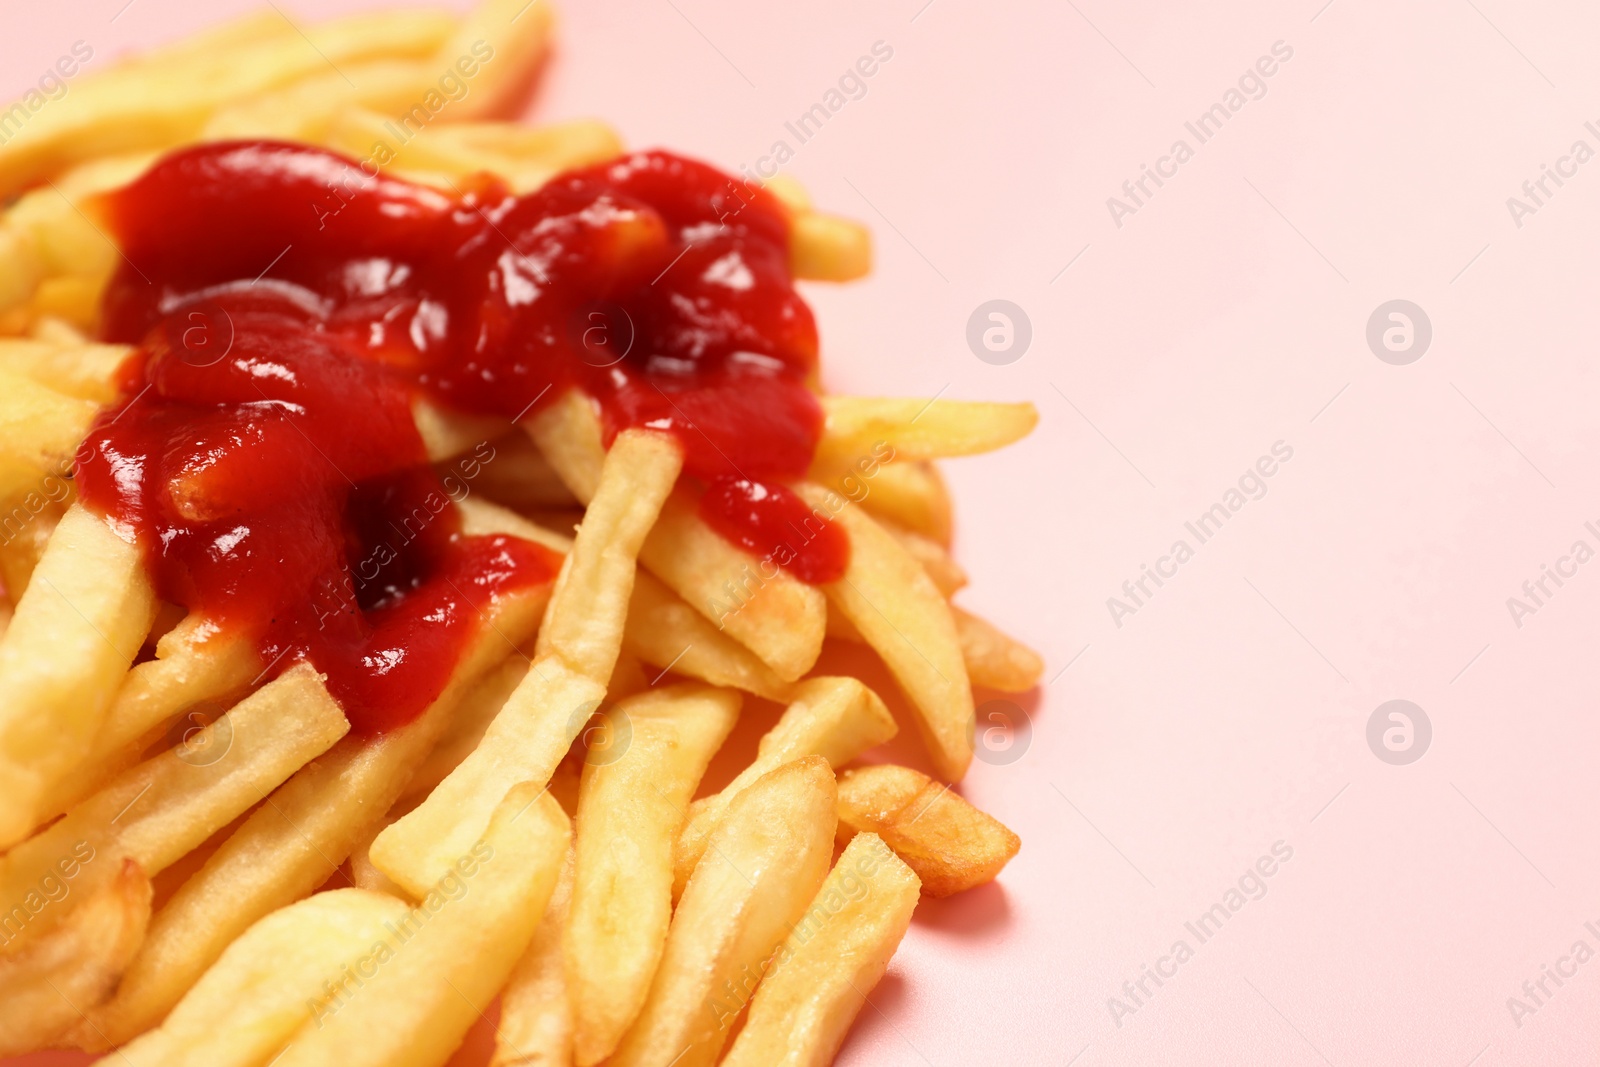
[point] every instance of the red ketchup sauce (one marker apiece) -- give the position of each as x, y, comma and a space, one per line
288, 307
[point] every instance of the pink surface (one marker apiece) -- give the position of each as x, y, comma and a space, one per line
1227, 313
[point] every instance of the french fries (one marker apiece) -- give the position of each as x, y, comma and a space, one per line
949, 843
174, 801
814, 989
835, 718
633, 801
763, 865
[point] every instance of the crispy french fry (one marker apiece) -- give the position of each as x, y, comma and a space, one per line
296, 840
447, 433
949, 843
779, 618
764, 865
167, 806
478, 707
304, 110
912, 495
633, 803
21, 267
946, 573
535, 1027
25, 532
828, 248
994, 659
46, 985
664, 631
85, 371
260, 992
75, 631
584, 623
39, 425
508, 38
432, 986
363, 874
57, 332
891, 600
920, 429
516, 475
835, 718
821, 977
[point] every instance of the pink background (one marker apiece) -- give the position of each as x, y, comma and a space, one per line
1227, 314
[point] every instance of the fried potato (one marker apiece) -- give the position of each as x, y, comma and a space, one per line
38, 425
167, 806
516, 34
911, 495
835, 718
633, 802
536, 1023
828, 248
75, 631
446, 434
47, 985
262, 989
779, 618
85, 371
21, 267
949, 843
436, 981
995, 660
26, 527
517, 476
821, 976
946, 573
920, 429
763, 865
477, 709
664, 631
588, 610
891, 600
295, 840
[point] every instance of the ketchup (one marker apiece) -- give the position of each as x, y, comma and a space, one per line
288, 307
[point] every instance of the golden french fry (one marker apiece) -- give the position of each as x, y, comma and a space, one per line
21, 267
994, 659
57, 332
262, 989
39, 425
946, 573
84, 371
466, 936
363, 874
779, 618
949, 843
47, 984
822, 974
589, 607
911, 495
296, 840
507, 39
763, 865
828, 248
447, 433
167, 806
835, 718
535, 1027
25, 531
304, 110
75, 631
477, 709
920, 429
891, 600
633, 802
664, 631
516, 475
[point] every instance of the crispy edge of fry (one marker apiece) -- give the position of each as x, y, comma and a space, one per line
996, 660
952, 845
891, 600
588, 609
45, 986
77, 628
664, 631
423, 999
921, 429
779, 618
631, 806
729, 922
296, 840
812, 992
259, 991
535, 1028
165, 807
837, 718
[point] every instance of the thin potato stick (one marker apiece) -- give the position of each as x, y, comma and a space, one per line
260, 992
75, 631
535, 1027
920, 429
631, 807
581, 636
994, 659
764, 865
913, 495
664, 631
820, 978
297, 839
85, 371
509, 38
828, 248
891, 600
835, 718
430, 987
167, 806
38, 425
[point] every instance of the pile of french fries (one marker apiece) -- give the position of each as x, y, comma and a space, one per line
261, 886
